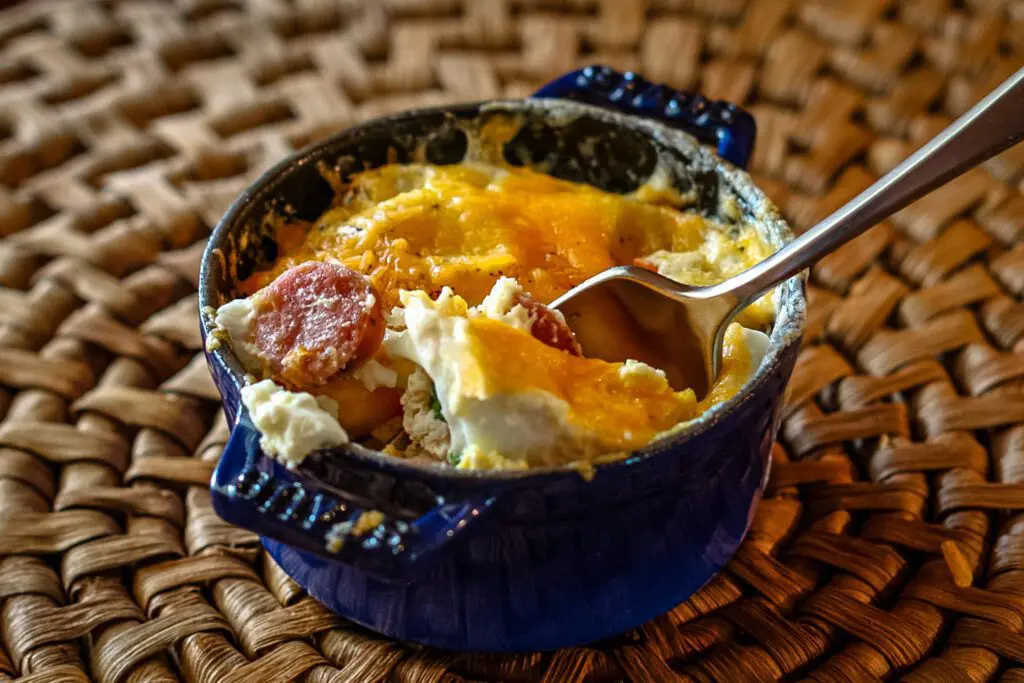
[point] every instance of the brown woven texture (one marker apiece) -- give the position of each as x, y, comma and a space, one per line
891, 540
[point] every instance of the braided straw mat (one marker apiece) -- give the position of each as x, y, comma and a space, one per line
891, 540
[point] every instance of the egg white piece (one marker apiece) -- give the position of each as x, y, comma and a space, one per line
374, 374
436, 337
292, 424
756, 343
235, 320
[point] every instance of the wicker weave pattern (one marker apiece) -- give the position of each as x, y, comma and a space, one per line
891, 542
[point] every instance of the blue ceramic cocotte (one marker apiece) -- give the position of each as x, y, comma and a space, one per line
514, 561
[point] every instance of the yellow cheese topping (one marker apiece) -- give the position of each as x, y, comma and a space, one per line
422, 227
622, 405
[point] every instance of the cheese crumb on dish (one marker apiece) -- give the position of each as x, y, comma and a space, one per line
365, 522
501, 304
292, 424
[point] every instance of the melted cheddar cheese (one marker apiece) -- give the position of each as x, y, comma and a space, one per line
420, 227
623, 405
436, 240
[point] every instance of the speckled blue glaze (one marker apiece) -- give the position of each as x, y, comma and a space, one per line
511, 561
723, 124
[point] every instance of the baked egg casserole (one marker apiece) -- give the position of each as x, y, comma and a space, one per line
411, 317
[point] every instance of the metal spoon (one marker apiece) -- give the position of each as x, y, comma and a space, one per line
681, 328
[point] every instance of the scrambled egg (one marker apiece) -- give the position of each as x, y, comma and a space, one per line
512, 400
447, 248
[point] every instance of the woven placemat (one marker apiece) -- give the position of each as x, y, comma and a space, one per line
891, 541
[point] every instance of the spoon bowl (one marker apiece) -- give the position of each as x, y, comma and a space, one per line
628, 312
668, 325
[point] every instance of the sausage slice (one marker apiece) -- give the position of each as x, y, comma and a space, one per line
315, 320
549, 325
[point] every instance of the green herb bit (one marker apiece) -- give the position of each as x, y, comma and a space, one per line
435, 403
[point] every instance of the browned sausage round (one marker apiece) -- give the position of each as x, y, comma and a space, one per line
315, 320
644, 263
549, 326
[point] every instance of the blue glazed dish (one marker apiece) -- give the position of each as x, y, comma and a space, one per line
513, 561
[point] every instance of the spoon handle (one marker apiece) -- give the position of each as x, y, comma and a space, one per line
991, 126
